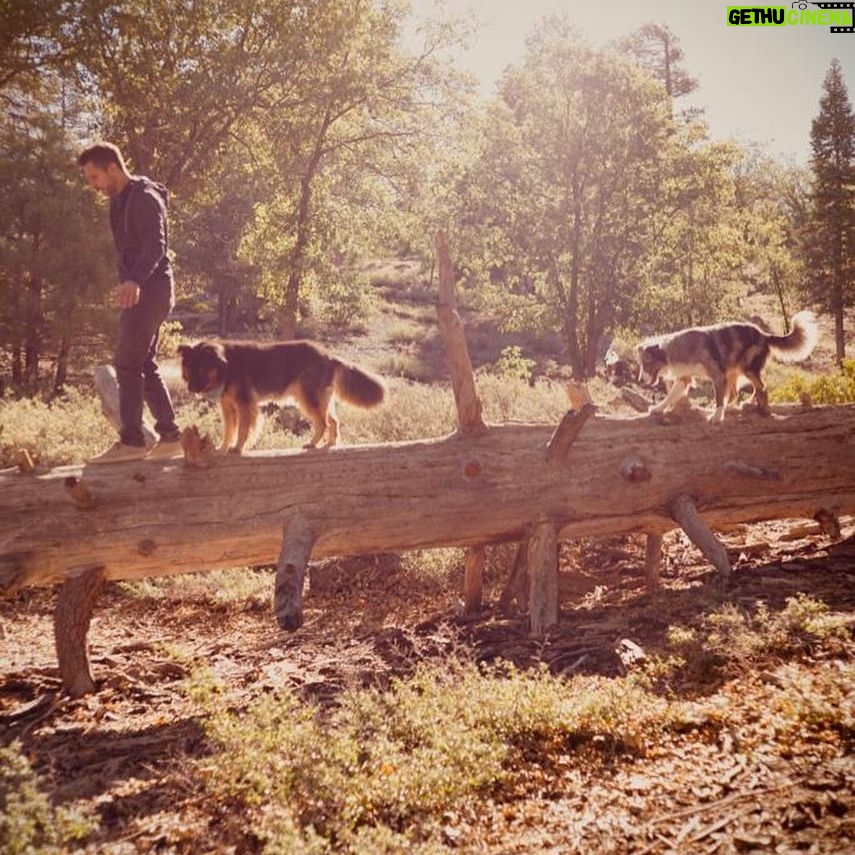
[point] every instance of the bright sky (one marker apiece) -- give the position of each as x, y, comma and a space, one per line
757, 84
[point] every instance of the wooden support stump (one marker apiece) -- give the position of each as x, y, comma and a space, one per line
829, 523
542, 560
473, 580
72, 616
685, 514
653, 560
297, 545
516, 588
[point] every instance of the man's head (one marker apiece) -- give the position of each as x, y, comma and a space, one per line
104, 168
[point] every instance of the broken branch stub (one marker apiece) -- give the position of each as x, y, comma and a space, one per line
568, 429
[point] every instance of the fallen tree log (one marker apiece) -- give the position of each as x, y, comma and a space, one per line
150, 518
590, 476
155, 518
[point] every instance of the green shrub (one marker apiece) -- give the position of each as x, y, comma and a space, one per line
29, 825
345, 304
66, 429
507, 400
405, 333
512, 365
405, 366
834, 388
734, 639
374, 773
171, 335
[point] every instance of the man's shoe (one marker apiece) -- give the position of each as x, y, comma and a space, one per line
165, 448
119, 452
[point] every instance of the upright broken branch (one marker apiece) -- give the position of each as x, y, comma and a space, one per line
469, 419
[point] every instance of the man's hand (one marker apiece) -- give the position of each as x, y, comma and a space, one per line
126, 295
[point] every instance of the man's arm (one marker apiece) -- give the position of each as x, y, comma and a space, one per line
149, 220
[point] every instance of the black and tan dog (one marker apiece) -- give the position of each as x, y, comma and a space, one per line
725, 354
243, 375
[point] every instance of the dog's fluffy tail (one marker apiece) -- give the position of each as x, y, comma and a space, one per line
799, 342
357, 386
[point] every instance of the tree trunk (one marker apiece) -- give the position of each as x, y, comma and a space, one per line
297, 260
17, 365
61, 372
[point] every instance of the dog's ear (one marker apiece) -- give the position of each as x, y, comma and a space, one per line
213, 353
184, 349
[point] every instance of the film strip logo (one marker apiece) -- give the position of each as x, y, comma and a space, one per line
850, 6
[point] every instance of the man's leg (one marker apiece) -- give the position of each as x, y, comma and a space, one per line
138, 334
157, 396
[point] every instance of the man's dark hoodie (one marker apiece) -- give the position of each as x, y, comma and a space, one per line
140, 233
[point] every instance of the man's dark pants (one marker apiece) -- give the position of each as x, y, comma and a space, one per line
136, 370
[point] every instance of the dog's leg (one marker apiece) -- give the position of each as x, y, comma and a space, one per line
759, 391
733, 391
247, 418
330, 416
721, 383
731, 394
227, 410
309, 405
312, 411
678, 388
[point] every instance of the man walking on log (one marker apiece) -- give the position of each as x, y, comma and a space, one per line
145, 294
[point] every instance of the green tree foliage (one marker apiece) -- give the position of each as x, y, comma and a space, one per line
588, 206
210, 232
771, 203
343, 137
176, 78
55, 262
830, 238
658, 50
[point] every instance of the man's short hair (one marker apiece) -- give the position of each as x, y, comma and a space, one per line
102, 154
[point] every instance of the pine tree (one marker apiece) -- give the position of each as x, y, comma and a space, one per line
830, 242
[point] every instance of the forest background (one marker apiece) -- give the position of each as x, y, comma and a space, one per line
585, 204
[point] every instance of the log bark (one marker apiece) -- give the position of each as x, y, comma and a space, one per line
568, 429
516, 587
151, 518
652, 560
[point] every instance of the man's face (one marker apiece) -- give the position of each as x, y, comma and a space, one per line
103, 180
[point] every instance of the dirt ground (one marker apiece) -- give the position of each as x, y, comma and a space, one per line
128, 749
